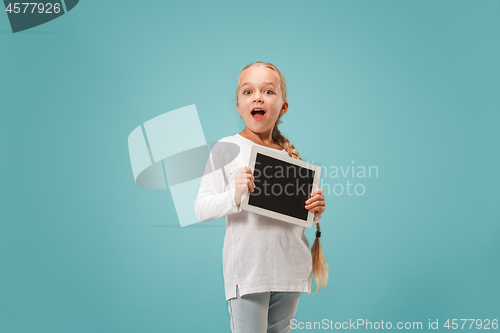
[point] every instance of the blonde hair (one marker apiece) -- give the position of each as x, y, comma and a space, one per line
319, 263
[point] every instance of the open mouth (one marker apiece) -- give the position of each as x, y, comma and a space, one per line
258, 114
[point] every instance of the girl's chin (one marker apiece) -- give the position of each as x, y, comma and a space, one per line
260, 129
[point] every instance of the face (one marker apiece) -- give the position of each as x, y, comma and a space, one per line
258, 90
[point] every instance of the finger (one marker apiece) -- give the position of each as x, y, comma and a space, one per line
315, 204
315, 198
250, 185
318, 210
243, 172
317, 191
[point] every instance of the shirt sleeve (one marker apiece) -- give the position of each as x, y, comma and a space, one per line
215, 197
317, 219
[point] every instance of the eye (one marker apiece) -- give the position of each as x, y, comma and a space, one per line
271, 92
245, 92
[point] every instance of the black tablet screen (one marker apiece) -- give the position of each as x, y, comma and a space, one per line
281, 187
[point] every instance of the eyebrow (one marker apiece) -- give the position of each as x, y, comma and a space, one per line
265, 83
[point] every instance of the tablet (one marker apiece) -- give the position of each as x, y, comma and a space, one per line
282, 185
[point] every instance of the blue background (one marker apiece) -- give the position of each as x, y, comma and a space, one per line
411, 87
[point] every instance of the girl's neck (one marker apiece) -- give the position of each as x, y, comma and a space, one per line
263, 139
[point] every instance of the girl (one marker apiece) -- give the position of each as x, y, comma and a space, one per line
266, 262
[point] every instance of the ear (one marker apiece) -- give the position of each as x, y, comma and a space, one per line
284, 108
238, 108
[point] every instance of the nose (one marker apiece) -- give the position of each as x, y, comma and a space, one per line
257, 97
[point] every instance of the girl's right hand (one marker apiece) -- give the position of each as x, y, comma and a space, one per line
243, 181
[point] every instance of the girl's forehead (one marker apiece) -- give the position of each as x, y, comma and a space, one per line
257, 74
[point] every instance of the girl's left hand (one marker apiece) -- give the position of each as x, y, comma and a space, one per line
316, 203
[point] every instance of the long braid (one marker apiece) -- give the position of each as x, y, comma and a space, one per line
319, 263
284, 142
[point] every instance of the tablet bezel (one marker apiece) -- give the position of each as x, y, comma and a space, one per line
285, 158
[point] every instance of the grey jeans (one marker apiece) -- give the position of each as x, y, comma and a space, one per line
267, 312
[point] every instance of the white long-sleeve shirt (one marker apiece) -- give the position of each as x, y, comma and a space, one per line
260, 253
